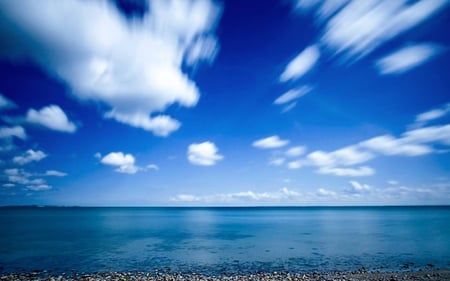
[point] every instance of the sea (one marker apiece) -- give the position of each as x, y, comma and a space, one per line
223, 240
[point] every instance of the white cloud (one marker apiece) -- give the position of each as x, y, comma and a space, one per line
295, 151
433, 114
39, 187
203, 154
277, 162
8, 185
347, 172
407, 58
135, 67
362, 26
5, 103
16, 177
152, 167
389, 145
16, 131
270, 142
51, 117
29, 156
123, 162
292, 95
393, 182
358, 187
322, 192
282, 195
55, 173
346, 156
301, 64
296, 164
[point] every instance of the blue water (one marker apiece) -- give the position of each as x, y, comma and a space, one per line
223, 240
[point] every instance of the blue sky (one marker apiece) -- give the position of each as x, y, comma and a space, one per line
130, 103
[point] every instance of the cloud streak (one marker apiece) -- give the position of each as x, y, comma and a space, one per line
407, 58
301, 64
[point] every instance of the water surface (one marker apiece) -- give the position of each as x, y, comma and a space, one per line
217, 240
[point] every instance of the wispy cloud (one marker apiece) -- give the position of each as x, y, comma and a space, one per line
6, 103
295, 151
407, 58
389, 145
347, 172
237, 197
301, 64
270, 142
412, 143
133, 67
203, 154
51, 117
362, 26
356, 187
292, 95
29, 156
9, 132
432, 115
28, 180
55, 173
125, 163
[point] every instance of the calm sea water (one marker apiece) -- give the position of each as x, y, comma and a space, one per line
217, 240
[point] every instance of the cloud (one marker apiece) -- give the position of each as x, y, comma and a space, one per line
244, 196
5, 103
270, 142
322, 192
135, 67
203, 154
152, 167
292, 95
407, 58
347, 172
346, 156
301, 64
277, 162
123, 162
29, 156
393, 182
356, 187
17, 176
296, 164
389, 145
432, 115
51, 117
55, 173
40, 187
9, 132
295, 151
362, 26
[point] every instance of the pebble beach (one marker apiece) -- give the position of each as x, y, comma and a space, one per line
170, 276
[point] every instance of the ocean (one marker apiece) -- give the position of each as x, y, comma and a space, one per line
223, 240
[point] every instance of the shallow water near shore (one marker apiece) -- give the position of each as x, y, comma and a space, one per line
218, 240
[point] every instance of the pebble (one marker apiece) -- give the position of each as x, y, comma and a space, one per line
362, 274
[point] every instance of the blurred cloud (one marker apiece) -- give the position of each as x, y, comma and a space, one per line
407, 58
29, 156
135, 67
301, 64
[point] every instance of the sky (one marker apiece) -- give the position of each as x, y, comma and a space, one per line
224, 103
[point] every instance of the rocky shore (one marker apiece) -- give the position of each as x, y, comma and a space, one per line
170, 276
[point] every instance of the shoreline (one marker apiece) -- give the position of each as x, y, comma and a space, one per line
361, 274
